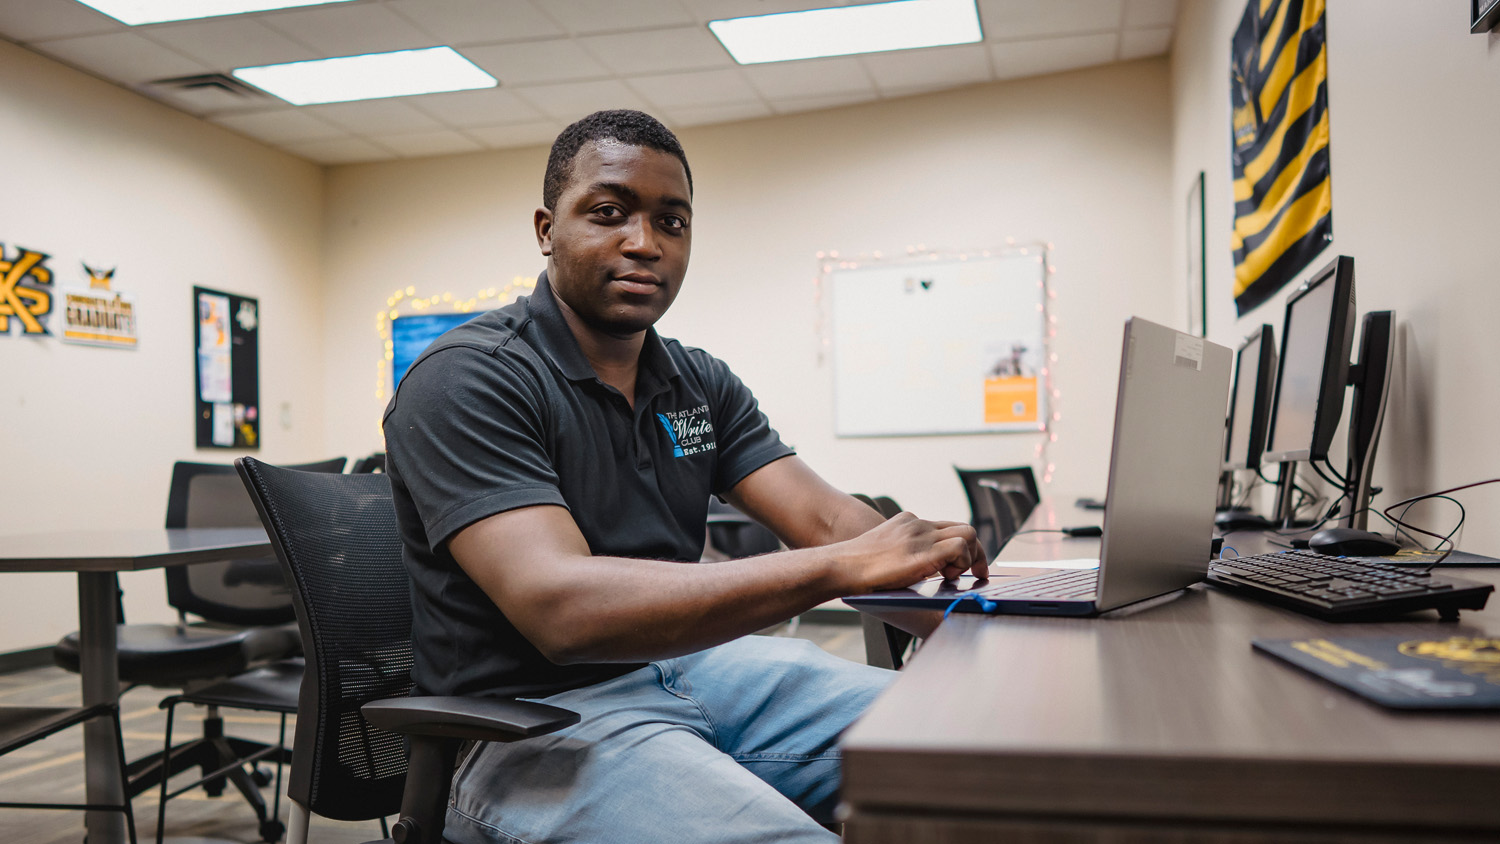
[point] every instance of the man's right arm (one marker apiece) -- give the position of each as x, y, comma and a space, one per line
575, 607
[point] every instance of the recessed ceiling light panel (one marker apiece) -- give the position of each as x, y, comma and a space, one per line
400, 74
137, 12
847, 30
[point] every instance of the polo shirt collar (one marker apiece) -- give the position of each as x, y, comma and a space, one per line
561, 348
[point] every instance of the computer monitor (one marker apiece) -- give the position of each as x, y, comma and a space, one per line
1316, 340
411, 335
1250, 400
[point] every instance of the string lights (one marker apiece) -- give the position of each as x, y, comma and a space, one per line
829, 262
406, 299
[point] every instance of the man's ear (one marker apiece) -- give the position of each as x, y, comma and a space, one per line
543, 222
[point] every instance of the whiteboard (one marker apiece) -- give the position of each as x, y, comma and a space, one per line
940, 346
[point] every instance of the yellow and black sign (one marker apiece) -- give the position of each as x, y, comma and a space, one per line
1283, 198
23, 294
99, 316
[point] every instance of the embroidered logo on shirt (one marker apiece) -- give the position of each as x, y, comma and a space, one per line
689, 430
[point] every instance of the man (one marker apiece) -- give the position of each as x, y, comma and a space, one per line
552, 463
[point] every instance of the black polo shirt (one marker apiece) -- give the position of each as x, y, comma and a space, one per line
506, 412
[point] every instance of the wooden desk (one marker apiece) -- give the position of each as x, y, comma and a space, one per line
1159, 723
96, 556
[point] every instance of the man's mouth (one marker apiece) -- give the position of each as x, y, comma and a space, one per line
641, 283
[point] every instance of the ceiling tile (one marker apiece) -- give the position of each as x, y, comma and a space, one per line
227, 43
287, 125
205, 100
1139, 43
934, 67
695, 90
582, 17
793, 105
541, 133
459, 22
658, 50
123, 57
374, 117
1008, 19
1150, 13
812, 78
714, 114
418, 144
571, 100
39, 20
537, 62
356, 29
486, 107
713, 10
1015, 59
339, 151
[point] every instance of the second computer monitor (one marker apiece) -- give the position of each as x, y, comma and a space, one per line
1250, 400
1314, 369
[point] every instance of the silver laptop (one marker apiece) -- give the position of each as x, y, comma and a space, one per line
1163, 481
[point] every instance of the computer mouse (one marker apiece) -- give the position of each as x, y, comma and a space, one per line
1240, 519
1348, 542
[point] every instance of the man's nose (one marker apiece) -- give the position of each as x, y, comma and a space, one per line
640, 239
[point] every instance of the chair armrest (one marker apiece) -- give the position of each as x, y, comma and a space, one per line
483, 719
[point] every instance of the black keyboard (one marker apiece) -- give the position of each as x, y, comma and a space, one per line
1067, 584
1346, 588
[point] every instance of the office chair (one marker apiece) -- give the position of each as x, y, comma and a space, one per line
338, 544
1018, 478
249, 602
885, 646
372, 463
22, 725
1001, 509
735, 535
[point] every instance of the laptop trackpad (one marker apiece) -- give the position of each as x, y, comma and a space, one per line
936, 587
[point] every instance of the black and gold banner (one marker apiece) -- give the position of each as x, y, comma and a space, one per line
1283, 200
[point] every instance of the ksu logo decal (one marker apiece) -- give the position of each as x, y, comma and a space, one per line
689, 430
24, 302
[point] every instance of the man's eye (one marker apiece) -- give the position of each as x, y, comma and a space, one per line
674, 222
609, 211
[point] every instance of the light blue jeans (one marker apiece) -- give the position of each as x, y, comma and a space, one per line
733, 744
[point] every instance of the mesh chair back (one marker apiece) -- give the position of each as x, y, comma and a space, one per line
1018, 478
337, 542
735, 534
239, 592
1000, 512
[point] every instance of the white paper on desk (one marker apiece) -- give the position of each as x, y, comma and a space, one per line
1045, 564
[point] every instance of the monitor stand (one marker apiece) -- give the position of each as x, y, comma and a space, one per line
1371, 377
1286, 485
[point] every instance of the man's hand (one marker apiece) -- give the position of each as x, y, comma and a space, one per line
906, 549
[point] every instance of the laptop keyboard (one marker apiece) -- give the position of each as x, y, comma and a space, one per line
1061, 585
1345, 587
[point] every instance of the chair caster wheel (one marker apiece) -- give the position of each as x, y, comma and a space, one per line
272, 830
260, 776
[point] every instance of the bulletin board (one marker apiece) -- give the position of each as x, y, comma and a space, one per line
226, 339
940, 346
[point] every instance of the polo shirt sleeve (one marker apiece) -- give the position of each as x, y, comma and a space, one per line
746, 440
467, 432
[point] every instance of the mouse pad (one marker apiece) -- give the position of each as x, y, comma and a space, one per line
1409, 672
1418, 557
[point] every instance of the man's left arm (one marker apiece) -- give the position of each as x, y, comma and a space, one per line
801, 508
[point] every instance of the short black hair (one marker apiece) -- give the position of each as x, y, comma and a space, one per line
634, 128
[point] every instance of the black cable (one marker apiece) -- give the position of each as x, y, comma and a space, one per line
1261, 473
1444, 493
1344, 486
1019, 532
1343, 481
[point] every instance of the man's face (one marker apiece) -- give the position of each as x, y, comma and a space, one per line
619, 238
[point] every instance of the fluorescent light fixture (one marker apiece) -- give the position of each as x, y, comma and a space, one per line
137, 12
399, 74
847, 30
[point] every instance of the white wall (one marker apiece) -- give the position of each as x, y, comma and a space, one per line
1080, 160
1414, 100
92, 172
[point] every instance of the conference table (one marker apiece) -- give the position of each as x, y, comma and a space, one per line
97, 555
1158, 722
